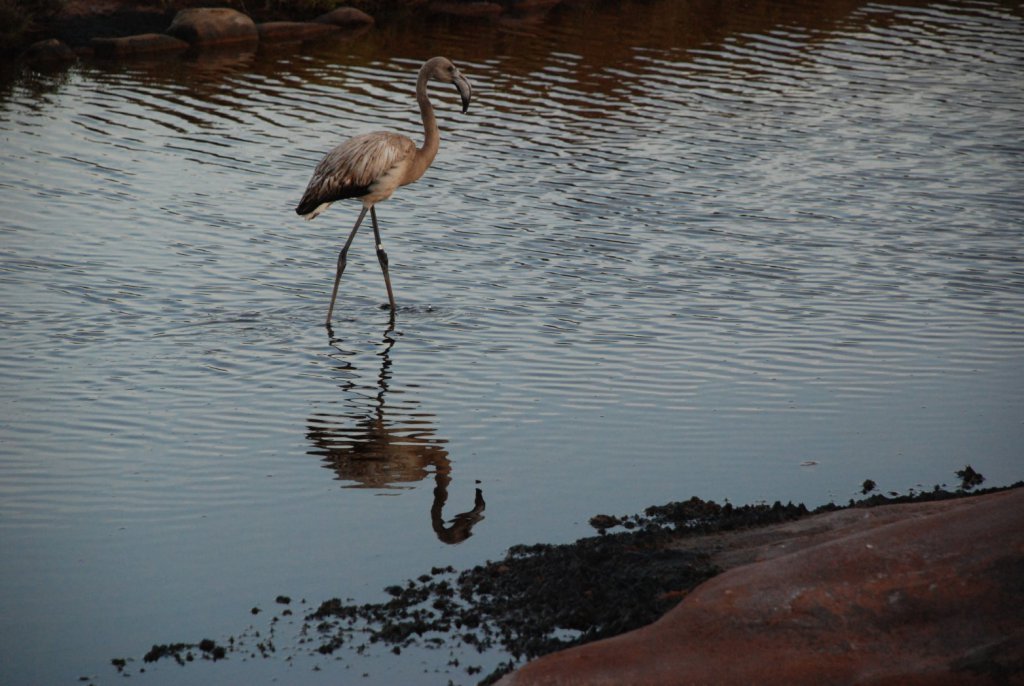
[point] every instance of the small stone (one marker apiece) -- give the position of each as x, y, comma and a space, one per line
603, 521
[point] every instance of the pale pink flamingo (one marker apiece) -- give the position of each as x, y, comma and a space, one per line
371, 166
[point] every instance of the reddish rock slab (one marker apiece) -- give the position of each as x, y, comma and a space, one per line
141, 44
929, 593
205, 26
284, 31
345, 17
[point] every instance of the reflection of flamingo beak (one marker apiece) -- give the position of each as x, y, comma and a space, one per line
465, 90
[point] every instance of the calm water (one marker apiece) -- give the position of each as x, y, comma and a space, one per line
750, 255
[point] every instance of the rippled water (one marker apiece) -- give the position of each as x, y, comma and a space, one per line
756, 255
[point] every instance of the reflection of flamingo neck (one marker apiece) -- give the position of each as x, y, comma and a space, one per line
462, 524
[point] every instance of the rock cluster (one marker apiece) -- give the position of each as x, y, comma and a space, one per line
199, 28
208, 27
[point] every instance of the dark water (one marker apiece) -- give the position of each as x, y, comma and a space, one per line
756, 251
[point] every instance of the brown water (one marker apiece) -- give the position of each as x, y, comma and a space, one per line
752, 251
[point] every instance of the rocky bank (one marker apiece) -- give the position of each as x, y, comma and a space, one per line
923, 593
125, 28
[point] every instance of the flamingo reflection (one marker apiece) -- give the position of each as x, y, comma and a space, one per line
382, 444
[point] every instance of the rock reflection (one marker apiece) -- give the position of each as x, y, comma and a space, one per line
382, 445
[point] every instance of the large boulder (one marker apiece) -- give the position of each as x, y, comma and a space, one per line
917, 594
206, 26
141, 44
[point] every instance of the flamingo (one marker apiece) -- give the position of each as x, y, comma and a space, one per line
372, 166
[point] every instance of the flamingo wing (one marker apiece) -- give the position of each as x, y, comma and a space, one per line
355, 168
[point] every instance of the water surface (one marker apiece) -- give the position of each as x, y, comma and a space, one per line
670, 251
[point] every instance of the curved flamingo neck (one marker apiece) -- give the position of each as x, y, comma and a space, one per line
431, 136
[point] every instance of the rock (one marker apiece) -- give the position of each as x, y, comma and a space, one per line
280, 31
345, 17
50, 50
926, 593
465, 9
142, 44
205, 26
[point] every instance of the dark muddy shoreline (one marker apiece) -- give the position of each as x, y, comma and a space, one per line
538, 599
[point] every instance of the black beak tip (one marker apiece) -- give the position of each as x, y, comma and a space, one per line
465, 92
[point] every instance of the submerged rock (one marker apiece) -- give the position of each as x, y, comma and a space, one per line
142, 44
283, 31
465, 9
50, 51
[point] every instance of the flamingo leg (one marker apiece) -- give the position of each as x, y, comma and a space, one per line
382, 257
342, 260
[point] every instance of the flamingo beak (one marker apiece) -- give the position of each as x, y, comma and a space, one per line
465, 90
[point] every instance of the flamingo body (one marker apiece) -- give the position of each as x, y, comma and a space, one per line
372, 166
369, 167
